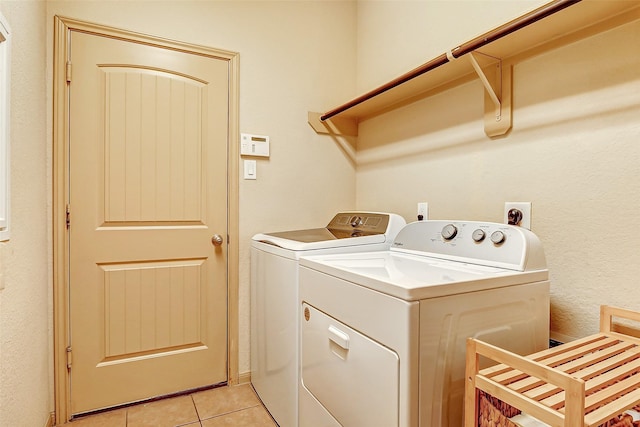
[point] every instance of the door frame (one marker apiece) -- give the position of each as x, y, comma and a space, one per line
62, 29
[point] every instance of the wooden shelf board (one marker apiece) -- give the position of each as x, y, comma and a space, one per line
577, 21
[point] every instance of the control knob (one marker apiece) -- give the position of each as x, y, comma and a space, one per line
356, 221
498, 237
449, 231
478, 235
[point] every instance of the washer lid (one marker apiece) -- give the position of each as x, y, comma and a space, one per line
413, 277
317, 238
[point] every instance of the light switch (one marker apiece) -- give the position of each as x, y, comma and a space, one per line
250, 169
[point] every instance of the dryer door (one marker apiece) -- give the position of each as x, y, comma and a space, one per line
353, 377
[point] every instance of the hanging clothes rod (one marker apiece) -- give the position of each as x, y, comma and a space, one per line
470, 46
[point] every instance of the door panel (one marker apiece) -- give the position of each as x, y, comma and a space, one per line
151, 308
154, 170
147, 191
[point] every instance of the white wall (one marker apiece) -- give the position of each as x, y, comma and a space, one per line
295, 56
395, 36
573, 152
26, 393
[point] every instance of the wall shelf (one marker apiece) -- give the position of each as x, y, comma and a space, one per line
489, 57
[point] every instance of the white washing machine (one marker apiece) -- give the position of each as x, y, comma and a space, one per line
383, 333
274, 298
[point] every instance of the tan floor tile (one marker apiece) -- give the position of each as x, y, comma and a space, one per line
251, 417
224, 399
115, 418
172, 412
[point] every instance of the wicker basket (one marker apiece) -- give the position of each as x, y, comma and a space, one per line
493, 412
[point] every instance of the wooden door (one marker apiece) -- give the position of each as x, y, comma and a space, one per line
148, 139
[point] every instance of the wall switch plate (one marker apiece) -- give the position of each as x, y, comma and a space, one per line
250, 169
523, 219
423, 211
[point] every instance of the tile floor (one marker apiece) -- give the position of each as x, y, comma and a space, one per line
225, 406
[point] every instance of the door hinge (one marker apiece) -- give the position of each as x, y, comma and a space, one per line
69, 357
68, 220
68, 71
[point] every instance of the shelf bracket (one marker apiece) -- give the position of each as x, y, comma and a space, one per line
496, 79
335, 126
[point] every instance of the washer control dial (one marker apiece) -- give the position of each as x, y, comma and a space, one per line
498, 237
356, 221
449, 231
478, 235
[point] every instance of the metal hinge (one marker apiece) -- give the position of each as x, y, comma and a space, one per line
68, 71
69, 357
68, 217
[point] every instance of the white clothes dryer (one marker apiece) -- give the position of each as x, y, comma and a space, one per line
383, 333
274, 298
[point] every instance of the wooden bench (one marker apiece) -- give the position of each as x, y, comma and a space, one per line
586, 382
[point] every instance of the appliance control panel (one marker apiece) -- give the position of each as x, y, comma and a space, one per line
353, 224
370, 222
483, 243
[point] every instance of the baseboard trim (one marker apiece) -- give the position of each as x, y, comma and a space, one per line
51, 420
244, 378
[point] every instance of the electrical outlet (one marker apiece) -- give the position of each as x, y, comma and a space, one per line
423, 211
523, 218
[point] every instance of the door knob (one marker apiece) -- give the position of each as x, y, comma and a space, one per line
217, 240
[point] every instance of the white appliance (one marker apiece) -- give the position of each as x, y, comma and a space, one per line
274, 298
383, 333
